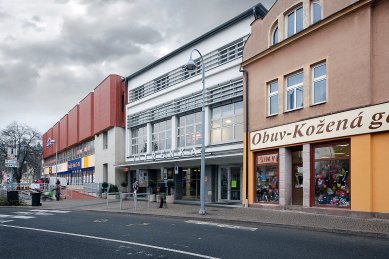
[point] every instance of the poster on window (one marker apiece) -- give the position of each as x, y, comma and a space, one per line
143, 178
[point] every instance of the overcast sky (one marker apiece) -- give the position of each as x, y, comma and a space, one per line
54, 52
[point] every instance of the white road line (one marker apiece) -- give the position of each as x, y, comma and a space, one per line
53, 211
5, 216
34, 213
113, 240
219, 225
5, 221
22, 217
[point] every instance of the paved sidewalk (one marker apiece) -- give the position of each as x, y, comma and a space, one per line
372, 227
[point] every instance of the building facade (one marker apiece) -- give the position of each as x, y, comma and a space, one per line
163, 126
90, 137
318, 105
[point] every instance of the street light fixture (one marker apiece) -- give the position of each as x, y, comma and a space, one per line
191, 65
48, 144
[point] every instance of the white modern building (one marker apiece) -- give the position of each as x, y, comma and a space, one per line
163, 116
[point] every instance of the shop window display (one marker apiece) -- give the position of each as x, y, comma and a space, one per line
267, 189
332, 175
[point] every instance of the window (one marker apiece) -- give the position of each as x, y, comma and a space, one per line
272, 98
139, 93
274, 35
294, 21
231, 52
161, 135
319, 83
227, 123
105, 140
139, 140
189, 130
161, 83
315, 12
332, 175
294, 91
267, 178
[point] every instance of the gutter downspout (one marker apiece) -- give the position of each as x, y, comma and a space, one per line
246, 76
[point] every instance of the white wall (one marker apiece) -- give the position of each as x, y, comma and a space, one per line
112, 155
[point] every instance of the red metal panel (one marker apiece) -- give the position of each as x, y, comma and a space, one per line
44, 148
50, 150
56, 133
86, 117
73, 125
63, 133
102, 106
108, 107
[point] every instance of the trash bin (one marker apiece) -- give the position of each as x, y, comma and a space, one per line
12, 196
36, 199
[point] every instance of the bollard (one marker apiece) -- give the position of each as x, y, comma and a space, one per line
161, 204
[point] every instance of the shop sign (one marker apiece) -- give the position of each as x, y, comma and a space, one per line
62, 167
268, 159
74, 164
360, 121
166, 155
88, 161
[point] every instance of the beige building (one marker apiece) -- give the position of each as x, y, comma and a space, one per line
317, 105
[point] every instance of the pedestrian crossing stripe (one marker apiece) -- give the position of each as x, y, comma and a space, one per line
28, 214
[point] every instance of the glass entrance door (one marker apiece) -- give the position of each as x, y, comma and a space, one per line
229, 183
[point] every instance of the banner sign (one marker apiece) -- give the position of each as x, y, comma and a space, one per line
360, 121
166, 155
74, 164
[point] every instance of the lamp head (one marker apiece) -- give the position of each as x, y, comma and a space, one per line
190, 65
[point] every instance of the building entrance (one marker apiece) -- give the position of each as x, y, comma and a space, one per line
191, 183
229, 182
297, 176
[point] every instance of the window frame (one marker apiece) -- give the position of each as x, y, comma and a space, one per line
155, 135
233, 125
294, 88
318, 79
143, 137
273, 31
313, 3
271, 94
294, 22
196, 124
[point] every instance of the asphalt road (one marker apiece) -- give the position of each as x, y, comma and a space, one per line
80, 234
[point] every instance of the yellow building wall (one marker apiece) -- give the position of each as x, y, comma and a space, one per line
380, 168
361, 173
370, 173
248, 171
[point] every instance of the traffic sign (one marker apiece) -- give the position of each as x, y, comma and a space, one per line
11, 163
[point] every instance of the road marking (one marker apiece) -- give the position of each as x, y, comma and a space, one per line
112, 240
5, 221
219, 225
53, 211
100, 220
34, 213
5, 216
22, 217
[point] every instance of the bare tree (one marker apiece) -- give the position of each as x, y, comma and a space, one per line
26, 141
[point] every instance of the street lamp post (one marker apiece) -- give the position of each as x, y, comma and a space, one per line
191, 65
49, 143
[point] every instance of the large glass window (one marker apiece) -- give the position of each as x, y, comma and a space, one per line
227, 123
294, 91
295, 21
272, 98
267, 179
161, 135
315, 11
319, 82
332, 175
189, 130
139, 140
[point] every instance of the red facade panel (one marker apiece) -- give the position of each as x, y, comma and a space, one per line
63, 133
44, 148
51, 149
56, 133
108, 97
73, 125
86, 117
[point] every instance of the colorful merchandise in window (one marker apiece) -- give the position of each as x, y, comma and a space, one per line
332, 175
267, 190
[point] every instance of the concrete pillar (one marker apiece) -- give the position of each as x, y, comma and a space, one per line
174, 132
149, 131
285, 170
307, 175
207, 126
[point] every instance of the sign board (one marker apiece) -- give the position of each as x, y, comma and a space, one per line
268, 159
74, 164
11, 163
359, 121
12, 153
